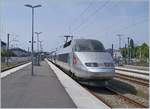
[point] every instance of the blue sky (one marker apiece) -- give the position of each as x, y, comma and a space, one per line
102, 20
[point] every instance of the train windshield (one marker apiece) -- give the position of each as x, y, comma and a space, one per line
89, 46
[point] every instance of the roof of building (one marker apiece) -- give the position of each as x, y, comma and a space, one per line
3, 43
18, 49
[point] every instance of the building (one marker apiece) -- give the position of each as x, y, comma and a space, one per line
3, 45
19, 52
116, 53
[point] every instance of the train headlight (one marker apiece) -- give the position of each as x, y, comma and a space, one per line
109, 64
99, 64
91, 64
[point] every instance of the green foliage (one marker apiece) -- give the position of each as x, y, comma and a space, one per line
144, 51
124, 52
131, 48
131, 43
139, 52
4, 53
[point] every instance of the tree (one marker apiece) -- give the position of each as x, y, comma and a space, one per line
144, 51
3, 53
124, 52
137, 52
132, 48
140, 52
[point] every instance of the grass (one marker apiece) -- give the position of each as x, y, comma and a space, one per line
140, 93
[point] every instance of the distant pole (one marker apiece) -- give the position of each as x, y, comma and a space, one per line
69, 29
32, 54
38, 33
7, 47
128, 50
119, 36
28, 51
112, 51
125, 54
40, 46
38, 43
38, 54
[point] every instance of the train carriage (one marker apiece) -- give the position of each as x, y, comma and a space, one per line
86, 60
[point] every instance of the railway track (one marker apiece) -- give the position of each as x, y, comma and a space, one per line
114, 99
136, 80
13, 66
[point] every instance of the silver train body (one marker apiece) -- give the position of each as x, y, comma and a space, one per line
80, 60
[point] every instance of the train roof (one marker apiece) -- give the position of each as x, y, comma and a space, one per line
83, 39
76, 40
67, 47
71, 42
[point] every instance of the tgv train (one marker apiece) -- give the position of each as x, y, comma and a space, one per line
85, 60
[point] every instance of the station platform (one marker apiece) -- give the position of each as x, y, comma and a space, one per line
43, 90
48, 88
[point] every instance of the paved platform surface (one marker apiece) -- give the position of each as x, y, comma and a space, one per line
43, 90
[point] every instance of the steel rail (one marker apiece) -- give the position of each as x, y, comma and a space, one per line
127, 99
16, 65
133, 79
142, 72
139, 105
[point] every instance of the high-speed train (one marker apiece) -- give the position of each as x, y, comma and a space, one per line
85, 60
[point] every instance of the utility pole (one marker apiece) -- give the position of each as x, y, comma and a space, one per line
112, 50
7, 47
40, 46
119, 35
38, 54
125, 54
128, 50
38, 33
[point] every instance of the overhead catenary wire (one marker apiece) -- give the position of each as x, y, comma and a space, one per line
131, 25
80, 15
127, 27
91, 15
124, 28
85, 27
86, 21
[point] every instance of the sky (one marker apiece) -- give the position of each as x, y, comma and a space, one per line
92, 19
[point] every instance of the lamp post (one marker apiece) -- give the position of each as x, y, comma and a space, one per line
32, 54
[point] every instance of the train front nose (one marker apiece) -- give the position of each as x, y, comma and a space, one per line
99, 65
100, 73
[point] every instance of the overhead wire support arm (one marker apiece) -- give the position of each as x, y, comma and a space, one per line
67, 36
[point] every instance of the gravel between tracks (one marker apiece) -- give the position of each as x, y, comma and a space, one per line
131, 90
114, 100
